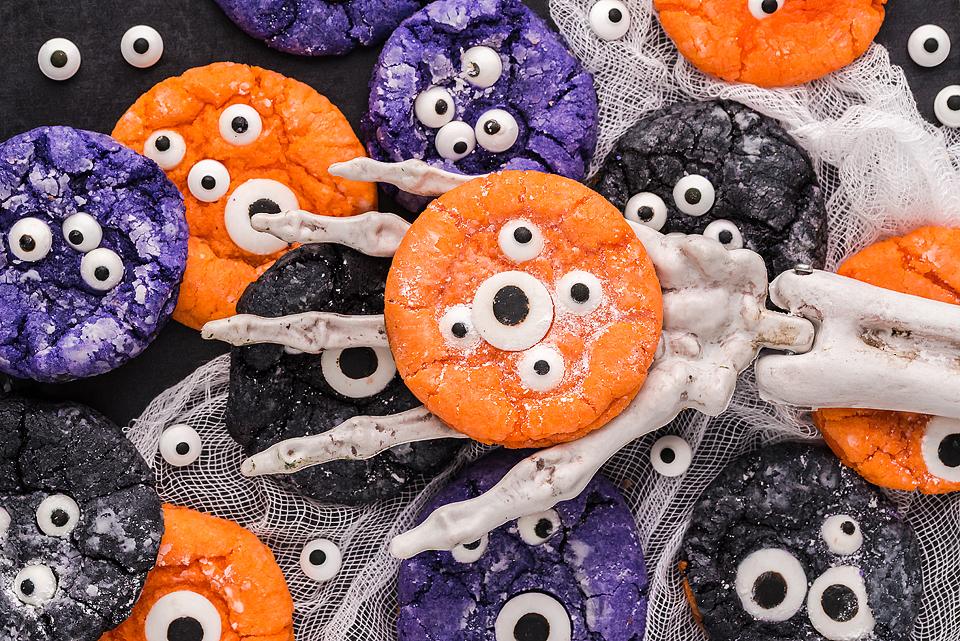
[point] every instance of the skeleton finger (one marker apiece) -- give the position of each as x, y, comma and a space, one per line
373, 233
412, 176
309, 332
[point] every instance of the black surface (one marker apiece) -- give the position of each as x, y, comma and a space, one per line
195, 33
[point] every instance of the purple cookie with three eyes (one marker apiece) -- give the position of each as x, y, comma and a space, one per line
93, 243
476, 86
571, 573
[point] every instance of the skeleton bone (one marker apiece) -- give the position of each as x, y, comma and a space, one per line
412, 176
309, 332
373, 233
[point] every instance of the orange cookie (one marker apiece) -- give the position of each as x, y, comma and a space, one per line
241, 140
771, 43
213, 580
892, 449
523, 310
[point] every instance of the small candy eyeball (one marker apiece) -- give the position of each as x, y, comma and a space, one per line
58, 515
520, 240
471, 552
837, 605
771, 585
537, 529
35, 585
166, 148
497, 131
434, 107
541, 368
358, 372
940, 448
59, 59
456, 327
609, 19
842, 534
455, 140
481, 66
512, 311
725, 233
928, 45
647, 209
946, 106
208, 181
180, 445
533, 615
82, 232
101, 269
30, 239
240, 125
764, 8
580, 292
694, 195
183, 615
671, 456
141, 46
321, 560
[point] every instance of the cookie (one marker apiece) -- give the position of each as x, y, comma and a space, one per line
787, 543
80, 522
473, 87
92, 249
896, 450
573, 572
241, 140
276, 395
213, 580
523, 310
771, 43
723, 170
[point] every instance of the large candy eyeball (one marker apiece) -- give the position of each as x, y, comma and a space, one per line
321, 560
434, 107
470, 552
541, 368
456, 327
512, 311
35, 585
101, 269
764, 8
837, 605
358, 372
671, 456
481, 66
166, 148
141, 46
30, 239
240, 125
725, 233
59, 59
520, 240
946, 106
647, 209
58, 515
842, 534
928, 45
82, 232
497, 131
694, 195
940, 448
208, 180
537, 529
180, 445
455, 140
533, 616
771, 585
609, 19
580, 292
257, 196
182, 615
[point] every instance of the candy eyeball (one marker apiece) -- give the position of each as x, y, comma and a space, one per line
724, 232
102, 269
180, 445
456, 327
842, 534
35, 585
762, 9
240, 125
647, 209
928, 45
30, 239
321, 560
940, 448
166, 148
533, 615
183, 615
471, 552
537, 529
541, 369
946, 106
771, 585
671, 456
456, 140
208, 181
59, 59
358, 372
481, 66
580, 292
82, 232
520, 240
609, 19
694, 195
141, 46
58, 515
837, 605
434, 107
512, 311
497, 131
252, 197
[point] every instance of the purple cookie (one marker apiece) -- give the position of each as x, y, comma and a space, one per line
575, 572
93, 243
477, 86
318, 27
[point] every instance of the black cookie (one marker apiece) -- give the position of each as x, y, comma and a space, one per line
80, 523
789, 544
276, 395
720, 169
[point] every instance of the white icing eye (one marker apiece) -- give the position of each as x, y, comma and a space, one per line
537, 529
940, 448
771, 585
541, 368
470, 552
434, 107
481, 66
671, 456
497, 131
182, 615
208, 181
455, 140
58, 515
240, 125
180, 445
30, 239
725, 233
4, 522
257, 196
533, 615
764, 8
321, 560
141, 46
166, 148
520, 240
647, 209
609, 19
59, 59
928, 45
358, 372
101, 269
82, 232
946, 106
35, 585
456, 327
512, 311
842, 534
580, 292
694, 195
837, 605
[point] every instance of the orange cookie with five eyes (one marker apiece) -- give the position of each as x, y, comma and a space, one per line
213, 580
898, 450
522, 310
237, 141
771, 43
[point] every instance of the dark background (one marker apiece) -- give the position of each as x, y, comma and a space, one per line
195, 33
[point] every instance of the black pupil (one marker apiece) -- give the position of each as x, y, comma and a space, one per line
318, 557
839, 603
185, 629
263, 206
208, 182
27, 243
949, 450
472, 546
441, 107
692, 196
460, 147
239, 124
59, 517
615, 15
953, 102
492, 127
183, 448
725, 237
75, 236
848, 528
580, 292
543, 528
667, 455
101, 273
27, 587
532, 626
769, 6
541, 367
510, 305
931, 45
162, 143
459, 330
141, 45
769, 590
358, 362
58, 59
645, 213
522, 235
